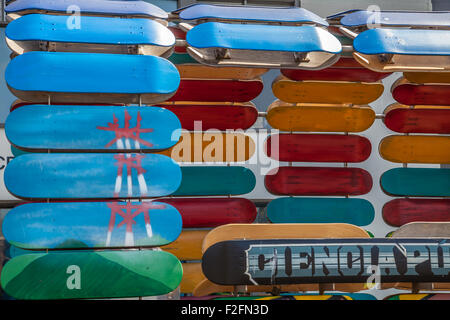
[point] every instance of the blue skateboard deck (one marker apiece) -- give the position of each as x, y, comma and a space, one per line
294, 261
81, 225
263, 46
251, 14
91, 176
416, 182
45, 128
359, 19
359, 212
42, 32
387, 50
215, 180
99, 77
132, 9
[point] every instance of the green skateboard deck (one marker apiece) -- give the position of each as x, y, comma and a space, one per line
89, 275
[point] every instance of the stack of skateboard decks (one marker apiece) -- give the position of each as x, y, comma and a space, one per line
90, 166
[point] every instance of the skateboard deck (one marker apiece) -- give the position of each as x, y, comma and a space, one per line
42, 32
390, 50
417, 119
182, 58
92, 128
125, 9
409, 93
90, 275
358, 212
398, 212
198, 71
422, 296
319, 117
188, 246
262, 46
415, 149
192, 276
338, 92
218, 116
207, 287
265, 262
100, 77
421, 229
218, 90
427, 77
215, 180
318, 147
360, 19
416, 182
217, 147
260, 231
197, 212
335, 74
200, 13
20, 103
81, 225
318, 181
91, 176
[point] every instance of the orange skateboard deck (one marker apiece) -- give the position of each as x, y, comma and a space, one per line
198, 71
326, 91
192, 276
212, 147
319, 117
416, 149
427, 77
188, 246
262, 231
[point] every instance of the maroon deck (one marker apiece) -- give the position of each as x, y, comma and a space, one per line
398, 212
179, 34
422, 94
335, 74
318, 181
213, 212
220, 117
319, 148
421, 120
218, 90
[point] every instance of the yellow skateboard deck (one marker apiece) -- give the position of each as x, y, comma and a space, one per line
211, 147
198, 71
192, 276
427, 77
260, 231
207, 287
416, 149
188, 246
319, 117
334, 92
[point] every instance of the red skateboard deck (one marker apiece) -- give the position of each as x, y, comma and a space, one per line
318, 147
318, 181
410, 93
335, 74
181, 35
220, 116
213, 212
398, 212
417, 119
218, 90
347, 62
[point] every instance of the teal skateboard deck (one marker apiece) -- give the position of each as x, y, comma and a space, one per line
99, 77
200, 13
263, 46
359, 212
92, 176
387, 50
416, 182
124, 9
80, 225
40, 32
44, 128
215, 180
91, 275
